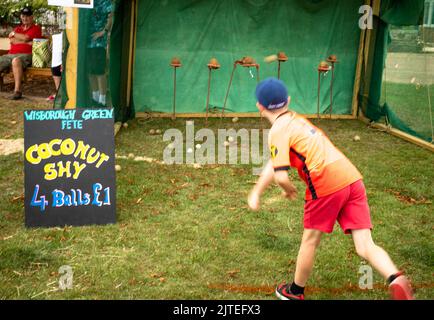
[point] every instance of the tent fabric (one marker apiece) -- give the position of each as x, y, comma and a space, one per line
397, 13
308, 31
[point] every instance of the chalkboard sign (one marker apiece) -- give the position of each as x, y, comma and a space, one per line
69, 167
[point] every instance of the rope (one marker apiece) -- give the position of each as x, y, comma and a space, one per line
428, 86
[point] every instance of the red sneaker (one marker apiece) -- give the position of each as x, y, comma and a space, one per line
284, 293
400, 289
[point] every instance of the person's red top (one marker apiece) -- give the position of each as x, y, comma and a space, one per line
33, 32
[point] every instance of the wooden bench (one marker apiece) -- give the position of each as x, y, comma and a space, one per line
29, 72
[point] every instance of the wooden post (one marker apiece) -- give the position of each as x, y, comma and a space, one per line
360, 58
369, 51
133, 26
72, 57
398, 133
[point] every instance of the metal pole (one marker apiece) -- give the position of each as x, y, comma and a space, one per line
174, 93
207, 97
319, 90
331, 89
257, 73
257, 77
278, 70
227, 92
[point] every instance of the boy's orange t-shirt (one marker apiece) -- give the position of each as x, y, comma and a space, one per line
296, 142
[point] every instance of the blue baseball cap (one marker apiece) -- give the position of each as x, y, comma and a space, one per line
272, 93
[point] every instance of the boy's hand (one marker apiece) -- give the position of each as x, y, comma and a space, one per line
253, 201
291, 196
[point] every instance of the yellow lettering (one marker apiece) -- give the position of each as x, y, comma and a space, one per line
44, 151
103, 158
78, 168
81, 149
64, 169
67, 147
50, 171
51, 144
92, 158
29, 155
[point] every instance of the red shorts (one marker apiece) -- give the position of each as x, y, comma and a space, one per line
349, 206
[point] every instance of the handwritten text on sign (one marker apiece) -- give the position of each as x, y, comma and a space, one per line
69, 164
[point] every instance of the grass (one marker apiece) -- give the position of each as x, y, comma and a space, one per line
186, 233
410, 103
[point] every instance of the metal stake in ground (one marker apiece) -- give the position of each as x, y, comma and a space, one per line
246, 62
229, 88
332, 59
322, 68
213, 64
175, 63
281, 57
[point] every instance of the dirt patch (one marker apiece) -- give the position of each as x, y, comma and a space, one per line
407, 199
36, 86
10, 146
11, 120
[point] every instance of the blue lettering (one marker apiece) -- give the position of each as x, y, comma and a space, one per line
107, 196
86, 199
58, 198
41, 203
96, 188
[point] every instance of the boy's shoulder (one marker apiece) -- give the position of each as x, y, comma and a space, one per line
286, 121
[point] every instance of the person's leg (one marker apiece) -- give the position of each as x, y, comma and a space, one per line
94, 87
57, 80
355, 219
17, 69
375, 255
57, 76
102, 88
92, 67
5, 62
306, 256
399, 286
101, 74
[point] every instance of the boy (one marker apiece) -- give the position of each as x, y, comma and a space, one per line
335, 190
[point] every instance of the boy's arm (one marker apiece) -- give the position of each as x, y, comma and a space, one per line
264, 181
282, 179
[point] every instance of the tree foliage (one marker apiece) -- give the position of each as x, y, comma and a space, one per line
10, 10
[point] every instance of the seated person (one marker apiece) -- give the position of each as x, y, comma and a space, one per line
20, 53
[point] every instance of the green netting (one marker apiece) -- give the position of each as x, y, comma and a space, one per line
103, 36
401, 91
119, 45
93, 54
308, 31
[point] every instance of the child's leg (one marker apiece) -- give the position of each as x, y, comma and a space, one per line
306, 256
375, 255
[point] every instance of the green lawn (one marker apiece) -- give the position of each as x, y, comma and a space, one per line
186, 233
411, 104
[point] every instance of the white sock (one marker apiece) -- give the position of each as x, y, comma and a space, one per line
95, 95
102, 99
